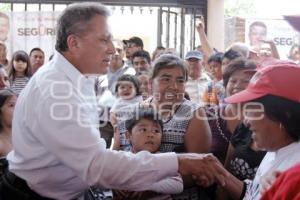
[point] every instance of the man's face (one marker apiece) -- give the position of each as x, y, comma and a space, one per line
37, 59
195, 67
131, 48
4, 29
140, 64
256, 34
94, 48
117, 58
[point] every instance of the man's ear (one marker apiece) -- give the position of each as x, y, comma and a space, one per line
73, 43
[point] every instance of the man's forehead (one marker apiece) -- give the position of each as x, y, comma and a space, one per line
37, 52
139, 58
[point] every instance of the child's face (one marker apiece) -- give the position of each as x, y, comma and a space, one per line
7, 111
145, 135
144, 85
20, 66
126, 90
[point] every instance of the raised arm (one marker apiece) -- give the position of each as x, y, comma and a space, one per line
207, 49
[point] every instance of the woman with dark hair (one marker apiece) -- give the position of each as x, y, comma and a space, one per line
222, 119
19, 71
7, 104
272, 113
185, 127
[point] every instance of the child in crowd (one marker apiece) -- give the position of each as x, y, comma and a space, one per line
128, 93
144, 85
19, 71
7, 104
144, 132
214, 93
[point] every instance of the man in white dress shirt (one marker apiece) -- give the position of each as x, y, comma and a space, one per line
57, 150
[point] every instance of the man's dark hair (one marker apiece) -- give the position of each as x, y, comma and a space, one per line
231, 54
143, 54
217, 57
284, 111
36, 49
143, 113
74, 20
130, 78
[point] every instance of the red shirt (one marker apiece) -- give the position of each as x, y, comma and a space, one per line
286, 186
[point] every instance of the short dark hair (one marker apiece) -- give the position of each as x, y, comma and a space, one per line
143, 54
284, 111
135, 40
130, 78
217, 57
74, 20
237, 65
231, 54
143, 113
169, 61
36, 49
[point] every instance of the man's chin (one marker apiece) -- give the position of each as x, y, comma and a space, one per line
102, 70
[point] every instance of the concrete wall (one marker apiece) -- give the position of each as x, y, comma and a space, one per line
215, 23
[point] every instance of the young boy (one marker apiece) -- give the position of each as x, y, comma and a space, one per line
144, 132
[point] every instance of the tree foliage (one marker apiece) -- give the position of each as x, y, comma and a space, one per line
241, 8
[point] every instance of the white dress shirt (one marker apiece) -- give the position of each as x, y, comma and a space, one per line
57, 148
280, 160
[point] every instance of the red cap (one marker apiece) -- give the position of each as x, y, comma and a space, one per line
280, 79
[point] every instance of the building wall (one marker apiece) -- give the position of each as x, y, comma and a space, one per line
215, 23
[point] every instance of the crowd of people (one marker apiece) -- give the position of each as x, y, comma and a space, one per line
105, 115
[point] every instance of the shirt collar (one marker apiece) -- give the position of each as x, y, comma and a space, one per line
75, 76
284, 151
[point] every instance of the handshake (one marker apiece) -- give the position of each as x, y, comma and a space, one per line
204, 168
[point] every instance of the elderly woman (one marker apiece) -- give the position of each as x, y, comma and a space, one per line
272, 103
185, 128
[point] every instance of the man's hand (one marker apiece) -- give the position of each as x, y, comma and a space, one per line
205, 168
200, 26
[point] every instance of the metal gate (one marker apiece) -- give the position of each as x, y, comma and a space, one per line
176, 18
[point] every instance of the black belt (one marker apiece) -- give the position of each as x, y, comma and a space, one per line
17, 187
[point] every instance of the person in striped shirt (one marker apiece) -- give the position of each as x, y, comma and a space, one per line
19, 71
